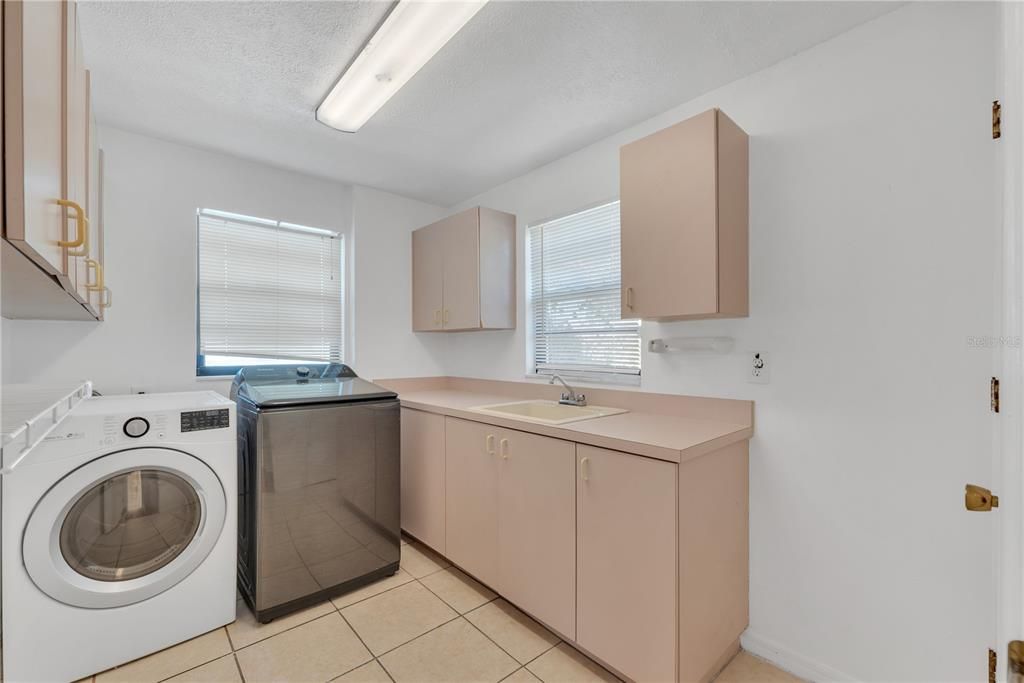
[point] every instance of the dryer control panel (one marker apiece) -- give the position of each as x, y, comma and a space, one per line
195, 420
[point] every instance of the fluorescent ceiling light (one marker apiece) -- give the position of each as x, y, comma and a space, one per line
413, 32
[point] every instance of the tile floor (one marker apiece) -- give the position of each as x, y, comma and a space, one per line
429, 622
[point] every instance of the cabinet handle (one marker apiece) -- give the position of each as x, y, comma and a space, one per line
629, 297
81, 227
445, 318
504, 449
98, 279
108, 298
490, 444
585, 469
437, 317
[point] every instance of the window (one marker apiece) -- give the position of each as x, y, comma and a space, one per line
269, 292
575, 284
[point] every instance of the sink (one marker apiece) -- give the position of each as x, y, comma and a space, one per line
547, 412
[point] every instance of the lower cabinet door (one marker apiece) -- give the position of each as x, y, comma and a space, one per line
626, 562
537, 527
471, 497
422, 476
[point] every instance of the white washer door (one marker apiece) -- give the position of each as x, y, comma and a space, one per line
124, 527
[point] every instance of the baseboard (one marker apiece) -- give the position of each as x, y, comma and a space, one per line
794, 663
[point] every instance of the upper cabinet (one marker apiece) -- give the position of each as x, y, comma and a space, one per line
52, 252
464, 272
684, 213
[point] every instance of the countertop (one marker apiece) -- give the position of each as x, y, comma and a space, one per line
667, 437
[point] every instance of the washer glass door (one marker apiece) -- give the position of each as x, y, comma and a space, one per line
124, 527
130, 525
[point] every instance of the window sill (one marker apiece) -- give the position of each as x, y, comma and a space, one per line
590, 380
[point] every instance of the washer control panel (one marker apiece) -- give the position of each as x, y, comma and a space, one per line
136, 427
196, 420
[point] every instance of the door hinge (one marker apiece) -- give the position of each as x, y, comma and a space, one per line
1015, 661
992, 664
997, 110
993, 394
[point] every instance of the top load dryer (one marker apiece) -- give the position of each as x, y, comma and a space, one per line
318, 467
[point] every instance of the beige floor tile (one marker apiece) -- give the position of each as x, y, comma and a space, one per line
315, 651
521, 676
371, 672
563, 664
460, 591
376, 588
397, 616
454, 652
516, 633
223, 670
245, 630
172, 661
746, 668
420, 560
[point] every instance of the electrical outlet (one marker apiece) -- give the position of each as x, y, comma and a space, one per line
759, 369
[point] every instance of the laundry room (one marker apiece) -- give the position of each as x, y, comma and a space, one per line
511, 340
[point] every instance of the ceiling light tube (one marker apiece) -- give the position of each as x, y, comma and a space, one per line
412, 33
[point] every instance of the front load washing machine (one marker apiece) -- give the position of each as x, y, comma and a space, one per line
118, 534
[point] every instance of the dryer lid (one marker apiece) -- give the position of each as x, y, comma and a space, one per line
275, 386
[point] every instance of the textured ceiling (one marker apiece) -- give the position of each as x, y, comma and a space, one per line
521, 85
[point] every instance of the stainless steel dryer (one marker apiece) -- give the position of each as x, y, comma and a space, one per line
318, 467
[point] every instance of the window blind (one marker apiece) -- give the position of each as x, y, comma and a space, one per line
269, 289
575, 285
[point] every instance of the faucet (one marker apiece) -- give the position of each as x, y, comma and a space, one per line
569, 397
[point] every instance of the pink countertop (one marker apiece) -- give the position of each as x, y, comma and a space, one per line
675, 438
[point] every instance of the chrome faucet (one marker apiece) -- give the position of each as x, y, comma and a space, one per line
569, 397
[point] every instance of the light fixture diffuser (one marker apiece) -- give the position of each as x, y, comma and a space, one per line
411, 34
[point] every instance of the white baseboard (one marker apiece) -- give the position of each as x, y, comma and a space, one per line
794, 663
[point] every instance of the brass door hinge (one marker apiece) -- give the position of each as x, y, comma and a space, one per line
1015, 662
979, 498
993, 394
992, 664
997, 110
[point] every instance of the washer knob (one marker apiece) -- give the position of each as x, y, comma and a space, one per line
302, 371
136, 427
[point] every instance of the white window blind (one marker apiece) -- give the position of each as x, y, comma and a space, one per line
269, 289
575, 281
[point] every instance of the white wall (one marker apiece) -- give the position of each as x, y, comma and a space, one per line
385, 345
152, 191
873, 238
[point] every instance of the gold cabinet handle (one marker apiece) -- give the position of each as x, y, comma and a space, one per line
504, 448
437, 317
108, 298
490, 444
585, 469
81, 226
444, 319
97, 269
629, 297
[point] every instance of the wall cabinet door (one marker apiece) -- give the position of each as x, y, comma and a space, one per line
626, 562
422, 477
471, 497
34, 51
427, 278
76, 151
537, 527
462, 271
684, 215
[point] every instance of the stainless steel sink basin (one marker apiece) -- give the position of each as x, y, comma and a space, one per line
547, 412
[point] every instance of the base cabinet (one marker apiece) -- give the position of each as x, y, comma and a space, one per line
422, 476
626, 562
642, 563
